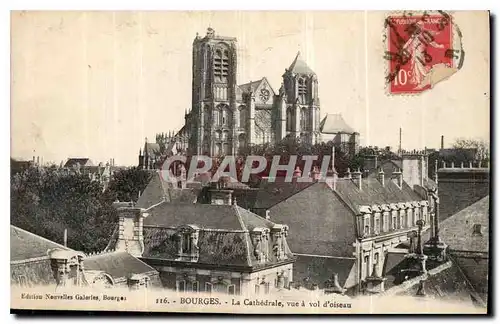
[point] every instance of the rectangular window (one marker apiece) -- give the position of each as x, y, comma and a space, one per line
366, 225
196, 286
377, 225
367, 266
257, 289
266, 288
386, 221
208, 287
181, 286
231, 290
394, 219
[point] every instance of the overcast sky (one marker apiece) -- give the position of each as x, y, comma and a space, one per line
95, 84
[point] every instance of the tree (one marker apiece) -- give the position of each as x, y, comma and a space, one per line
126, 184
482, 147
46, 201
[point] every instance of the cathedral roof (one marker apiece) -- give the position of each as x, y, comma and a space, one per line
250, 86
81, 161
299, 66
333, 124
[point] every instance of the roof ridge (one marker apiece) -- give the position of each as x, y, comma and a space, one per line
238, 215
324, 256
41, 237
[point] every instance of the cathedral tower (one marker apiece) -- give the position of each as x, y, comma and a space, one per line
300, 117
214, 95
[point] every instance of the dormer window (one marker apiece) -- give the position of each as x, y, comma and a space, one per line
187, 248
476, 230
366, 225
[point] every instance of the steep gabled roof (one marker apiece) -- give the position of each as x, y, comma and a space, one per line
457, 230
118, 265
274, 191
26, 245
224, 237
318, 269
372, 192
334, 124
250, 86
299, 66
152, 148
81, 161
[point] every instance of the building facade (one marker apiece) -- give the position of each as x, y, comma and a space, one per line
227, 118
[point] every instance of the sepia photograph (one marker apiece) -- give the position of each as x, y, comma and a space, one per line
250, 162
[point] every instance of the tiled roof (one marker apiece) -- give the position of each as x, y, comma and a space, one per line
250, 86
457, 230
372, 192
299, 66
319, 269
159, 190
446, 285
82, 161
203, 215
223, 238
117, 264
273, 192
26, 245
476, 271
152, 148
333, 124
319, 222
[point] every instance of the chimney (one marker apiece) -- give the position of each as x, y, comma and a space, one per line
348, 173
333, 285
356, 176
67, 266
219, 195
65, 237
442, 142
130, 225
399, 178
381, 177
268, 215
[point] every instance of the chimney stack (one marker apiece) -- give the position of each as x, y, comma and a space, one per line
65, 237
399, 178
130, 224
442, 142
381, 177
268, 215
356, 176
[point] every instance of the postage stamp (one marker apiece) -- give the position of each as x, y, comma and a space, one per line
422, 49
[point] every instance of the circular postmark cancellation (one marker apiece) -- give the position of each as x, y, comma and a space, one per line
423, 48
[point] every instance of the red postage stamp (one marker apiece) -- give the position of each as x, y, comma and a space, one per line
422, 50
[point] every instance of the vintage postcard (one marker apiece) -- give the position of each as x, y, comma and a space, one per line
250, 162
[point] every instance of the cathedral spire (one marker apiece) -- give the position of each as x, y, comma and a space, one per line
299, 66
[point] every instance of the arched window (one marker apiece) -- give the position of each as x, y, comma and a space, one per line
243, 117
226, 116
242, 141
206, 115
221, 65
289, 119
303, 119
302, 90
217, 116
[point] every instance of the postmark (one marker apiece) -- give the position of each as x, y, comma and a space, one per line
423, 49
